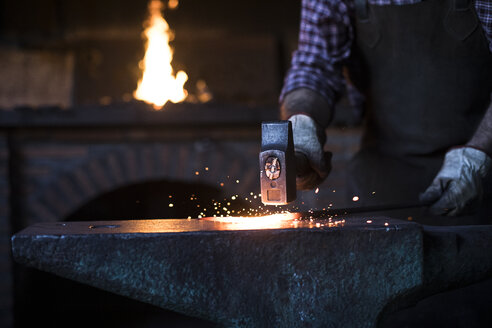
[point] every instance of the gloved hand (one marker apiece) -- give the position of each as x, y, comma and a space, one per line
458, 185
308, 142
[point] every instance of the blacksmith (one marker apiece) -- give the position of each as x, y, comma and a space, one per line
424, 68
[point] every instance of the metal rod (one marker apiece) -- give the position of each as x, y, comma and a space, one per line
363, 209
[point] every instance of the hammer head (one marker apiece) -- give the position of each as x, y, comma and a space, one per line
277, 163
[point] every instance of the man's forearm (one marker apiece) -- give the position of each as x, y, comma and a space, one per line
482, 139
325, 43
306, 101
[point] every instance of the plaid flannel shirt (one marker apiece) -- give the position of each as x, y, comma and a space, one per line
325, 40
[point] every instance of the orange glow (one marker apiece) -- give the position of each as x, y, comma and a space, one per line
159, 84
173, 4
274, 221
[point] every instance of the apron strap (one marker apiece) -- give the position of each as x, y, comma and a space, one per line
461, 20
362, 10
461, 4
366, 23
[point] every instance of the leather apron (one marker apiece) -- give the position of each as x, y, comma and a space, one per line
426, 72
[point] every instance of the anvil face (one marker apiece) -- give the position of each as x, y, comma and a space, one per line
287, 221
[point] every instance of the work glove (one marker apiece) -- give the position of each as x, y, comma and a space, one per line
458, 185
312, 164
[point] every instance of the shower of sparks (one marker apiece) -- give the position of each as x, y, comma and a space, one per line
231, 213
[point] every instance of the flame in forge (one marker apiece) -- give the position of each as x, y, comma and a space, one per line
159, 84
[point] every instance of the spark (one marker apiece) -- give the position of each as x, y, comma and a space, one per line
173, 4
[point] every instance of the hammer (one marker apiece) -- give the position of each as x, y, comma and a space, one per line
279, 163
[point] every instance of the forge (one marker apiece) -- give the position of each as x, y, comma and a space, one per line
288, 273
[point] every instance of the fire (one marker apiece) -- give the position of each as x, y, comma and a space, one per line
159, 84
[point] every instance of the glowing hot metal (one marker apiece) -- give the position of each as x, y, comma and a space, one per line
274, 221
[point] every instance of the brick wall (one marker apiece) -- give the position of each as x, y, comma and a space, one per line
35, 78
65, 170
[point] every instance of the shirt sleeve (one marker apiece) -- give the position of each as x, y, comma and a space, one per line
484, 13
325, 39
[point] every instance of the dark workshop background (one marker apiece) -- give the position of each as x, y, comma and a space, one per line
75, 146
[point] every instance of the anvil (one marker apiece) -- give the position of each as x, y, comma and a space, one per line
284, 274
